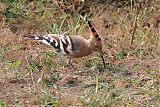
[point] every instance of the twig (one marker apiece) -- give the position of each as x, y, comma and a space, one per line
133, 32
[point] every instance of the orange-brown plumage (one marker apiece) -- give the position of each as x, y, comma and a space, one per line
72, 46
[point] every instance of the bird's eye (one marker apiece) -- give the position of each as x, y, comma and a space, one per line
96, 46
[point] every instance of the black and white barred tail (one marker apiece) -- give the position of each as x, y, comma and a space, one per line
62, 44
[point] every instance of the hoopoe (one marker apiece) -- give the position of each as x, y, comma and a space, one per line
72, 46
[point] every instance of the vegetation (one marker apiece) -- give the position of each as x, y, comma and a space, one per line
32, 74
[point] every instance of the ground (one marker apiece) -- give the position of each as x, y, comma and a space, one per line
32, 74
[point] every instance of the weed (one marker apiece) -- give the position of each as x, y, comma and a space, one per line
122, 54
47, 59
14, 11
15, 101
48, 100
33, 67
3, 104
16, 64
50, 82
97, 97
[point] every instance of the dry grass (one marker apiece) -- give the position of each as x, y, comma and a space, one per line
32, 74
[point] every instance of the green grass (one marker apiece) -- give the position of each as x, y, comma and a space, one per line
48, 100
2, 104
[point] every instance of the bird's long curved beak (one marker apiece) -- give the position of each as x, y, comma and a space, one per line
101, 55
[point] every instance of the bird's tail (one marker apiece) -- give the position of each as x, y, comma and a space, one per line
59, 42
48, 40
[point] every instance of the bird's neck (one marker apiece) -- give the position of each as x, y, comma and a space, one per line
90, 42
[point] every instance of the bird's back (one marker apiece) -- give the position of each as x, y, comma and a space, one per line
81, 47
74, 46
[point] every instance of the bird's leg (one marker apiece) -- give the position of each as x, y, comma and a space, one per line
101, 55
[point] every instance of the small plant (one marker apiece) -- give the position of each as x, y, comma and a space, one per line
98, 96
14, 10
16, 101
67, 24
16, 64
122, 54
34, 67
3, 104
49, 100
49, 82
48, 60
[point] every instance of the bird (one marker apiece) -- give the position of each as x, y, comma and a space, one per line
72, 46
